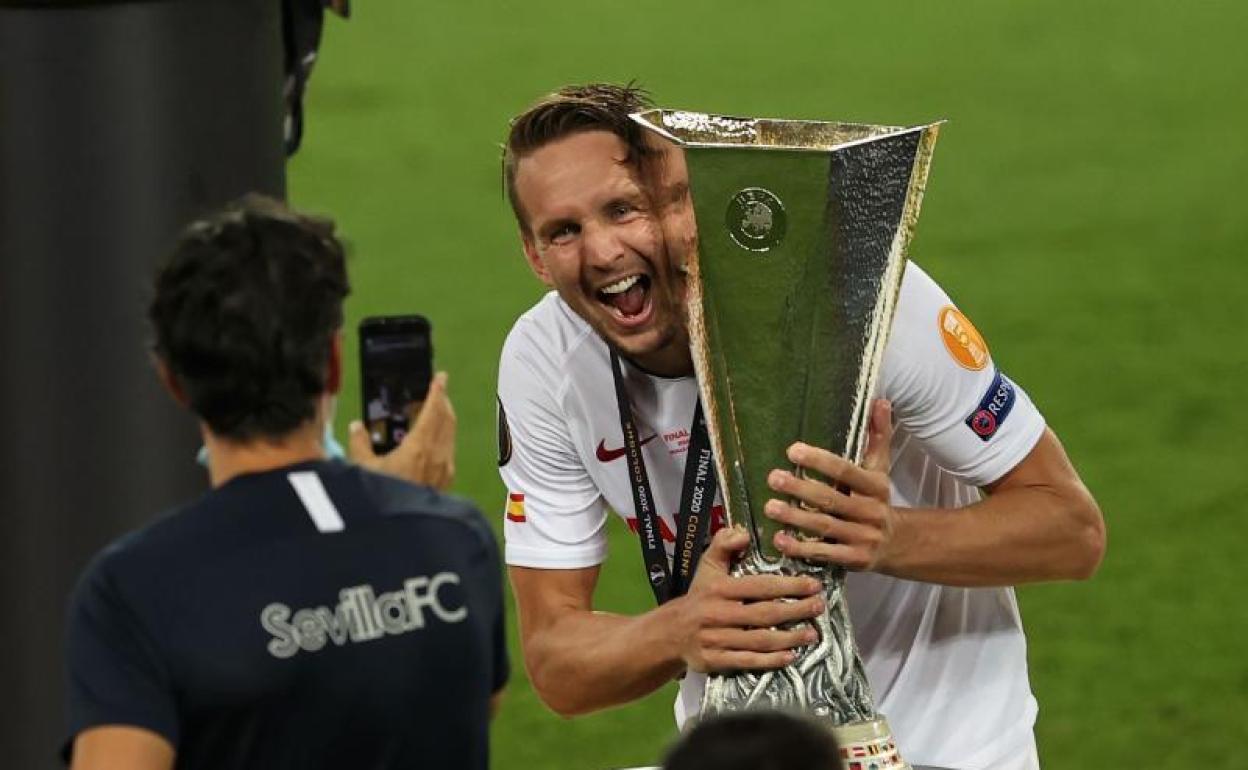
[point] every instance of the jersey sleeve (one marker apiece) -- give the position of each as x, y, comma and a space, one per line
948, 392
116, 674
555, 514
498, 622
502, 663
488, 577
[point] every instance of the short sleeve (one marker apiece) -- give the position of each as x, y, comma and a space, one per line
502, 664
555, 514
498, 623
116, 674
948, 392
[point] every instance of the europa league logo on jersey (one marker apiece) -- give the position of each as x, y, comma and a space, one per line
756, 219
789, 348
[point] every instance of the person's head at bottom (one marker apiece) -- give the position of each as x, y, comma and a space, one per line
755, 740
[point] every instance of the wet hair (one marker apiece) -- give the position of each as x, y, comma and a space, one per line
755, 740
571, 110
244, 314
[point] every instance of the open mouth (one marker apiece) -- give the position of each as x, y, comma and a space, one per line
628, 299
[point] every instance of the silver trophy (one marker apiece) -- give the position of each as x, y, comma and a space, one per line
793, 274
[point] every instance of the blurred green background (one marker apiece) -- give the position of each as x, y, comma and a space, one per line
1085, 208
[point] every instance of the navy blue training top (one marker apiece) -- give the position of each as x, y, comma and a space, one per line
316, 616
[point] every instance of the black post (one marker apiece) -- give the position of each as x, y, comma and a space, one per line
119, 122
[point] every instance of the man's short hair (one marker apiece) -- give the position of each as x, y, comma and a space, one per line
244, 315
755, 740
571, 110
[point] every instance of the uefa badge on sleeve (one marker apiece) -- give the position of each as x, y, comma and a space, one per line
504, 435
993, 408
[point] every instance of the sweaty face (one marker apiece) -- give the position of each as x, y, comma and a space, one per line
595, 236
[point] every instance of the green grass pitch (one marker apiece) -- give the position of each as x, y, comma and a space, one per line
1085, 208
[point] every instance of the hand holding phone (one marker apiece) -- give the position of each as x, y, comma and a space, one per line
410, 422
426, 455
396, 367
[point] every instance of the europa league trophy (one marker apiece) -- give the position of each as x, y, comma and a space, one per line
802, 229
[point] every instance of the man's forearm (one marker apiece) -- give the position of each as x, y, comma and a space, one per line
586, 661
1039, 522
1016, 535
581, 661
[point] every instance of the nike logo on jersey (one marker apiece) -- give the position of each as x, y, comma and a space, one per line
607, 455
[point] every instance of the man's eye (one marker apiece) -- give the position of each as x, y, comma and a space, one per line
562, 234
622, 209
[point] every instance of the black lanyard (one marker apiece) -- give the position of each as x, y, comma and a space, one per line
697, 495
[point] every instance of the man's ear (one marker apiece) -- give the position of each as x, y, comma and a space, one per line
333, 372
531, 255
170, 382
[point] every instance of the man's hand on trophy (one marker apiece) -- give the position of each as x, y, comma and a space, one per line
846, 520
730, 623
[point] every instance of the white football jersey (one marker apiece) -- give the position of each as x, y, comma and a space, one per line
947, 665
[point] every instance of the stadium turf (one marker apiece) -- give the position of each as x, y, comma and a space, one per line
1085, 208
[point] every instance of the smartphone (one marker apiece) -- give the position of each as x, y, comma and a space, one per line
396, 366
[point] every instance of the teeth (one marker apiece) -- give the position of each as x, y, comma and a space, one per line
622, 285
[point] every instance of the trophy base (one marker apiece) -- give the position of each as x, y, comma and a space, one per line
868, 746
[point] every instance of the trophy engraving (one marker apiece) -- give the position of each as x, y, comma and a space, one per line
756, 219
802, 230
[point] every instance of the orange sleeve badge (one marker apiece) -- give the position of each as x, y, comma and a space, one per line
515, 507
962, 340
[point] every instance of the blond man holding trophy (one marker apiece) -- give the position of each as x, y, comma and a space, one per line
599, 408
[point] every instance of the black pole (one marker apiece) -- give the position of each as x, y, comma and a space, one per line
119, 122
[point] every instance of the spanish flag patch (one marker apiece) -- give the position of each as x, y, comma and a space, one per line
515, 507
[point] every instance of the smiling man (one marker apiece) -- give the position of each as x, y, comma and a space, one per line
591, 204
597, 410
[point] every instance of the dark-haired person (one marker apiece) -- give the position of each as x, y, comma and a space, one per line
304, 613
597, 203
755, 740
